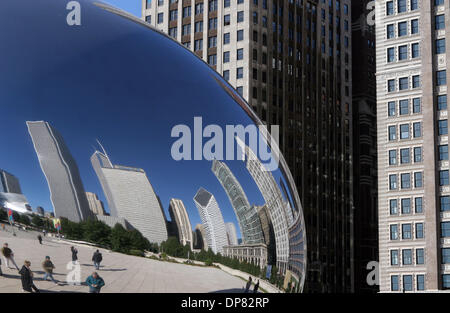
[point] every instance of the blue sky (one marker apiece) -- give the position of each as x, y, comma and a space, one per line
113, 80
131, 6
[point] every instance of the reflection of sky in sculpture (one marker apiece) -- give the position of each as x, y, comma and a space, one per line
112, 83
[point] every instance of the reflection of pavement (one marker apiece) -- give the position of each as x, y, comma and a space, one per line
122, 273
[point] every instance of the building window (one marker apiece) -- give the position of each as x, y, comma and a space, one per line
160, 18
420, 257
226, 75
212, 5
240, 54
391, 85
226, 20
401, 6
173, 15
419, 231
439, 22
391, 108
417, 154
240, 72
405, 182
440, 46
406, 231
442, 102
199, 8
390, 55
444, 203
417, 130
186, 12
198, 45
394, 232
240, 16
393, 206
226, 3
406, 206
402, 29
394, 257
226, 57
415, 50
404, 131
212, 42
148, 19
416, 81
226, 38
199, 27
445, 252
443, 152
414, 5
240, 90
441, 78
394, 283
416, 105
420, 282
212, 22
418, 203
404, 107
446, 281
445, 229
407, 283
402, 52
212, 59
403, 83
415, 26
443, 127
404, 156
240, 35
407, 257
173, 32
443, 178
390, 31
392, 157
392, 133
389, 8
438, 2
186, 29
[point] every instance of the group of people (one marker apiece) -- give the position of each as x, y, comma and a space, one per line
249, 283
94, 281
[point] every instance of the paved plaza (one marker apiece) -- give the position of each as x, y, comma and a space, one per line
121, 273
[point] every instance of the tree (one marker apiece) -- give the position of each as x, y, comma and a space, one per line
37, 221
3, 215
24, 219
120, 241
96, 232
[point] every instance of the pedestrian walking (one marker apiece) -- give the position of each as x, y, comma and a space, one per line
74, 254
39, 237
26, 276
247, 286
8, 255
255, 289
97, 259
95, 283
48, 267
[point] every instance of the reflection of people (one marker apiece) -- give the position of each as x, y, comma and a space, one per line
95, 283
39, 237
255, 289
26, 275
74, 254
48, 267
8, 255
247, 286
97, 258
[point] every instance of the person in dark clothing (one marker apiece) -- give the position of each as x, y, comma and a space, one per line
8, 255
74, 254
39, 237
247, 286
255, 289
95, 283
97, 258
26, 275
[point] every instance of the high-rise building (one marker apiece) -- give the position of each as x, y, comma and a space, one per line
11, 196
61, 171
131, 196
9, 183
179, 215
413, 166
40, 211
212, 220
365, 201
231, 234
95, 205
274, 203
200, 238
291, 61
246, 215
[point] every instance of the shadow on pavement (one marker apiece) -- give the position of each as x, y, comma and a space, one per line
234, 290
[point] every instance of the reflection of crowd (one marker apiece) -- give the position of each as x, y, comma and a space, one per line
94, 281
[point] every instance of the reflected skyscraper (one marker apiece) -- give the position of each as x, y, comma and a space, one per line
281, 217
9, 183
61, 171
131, 196
95, 205
212, 219
246, 215
179, 215
11, 196
231, 233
